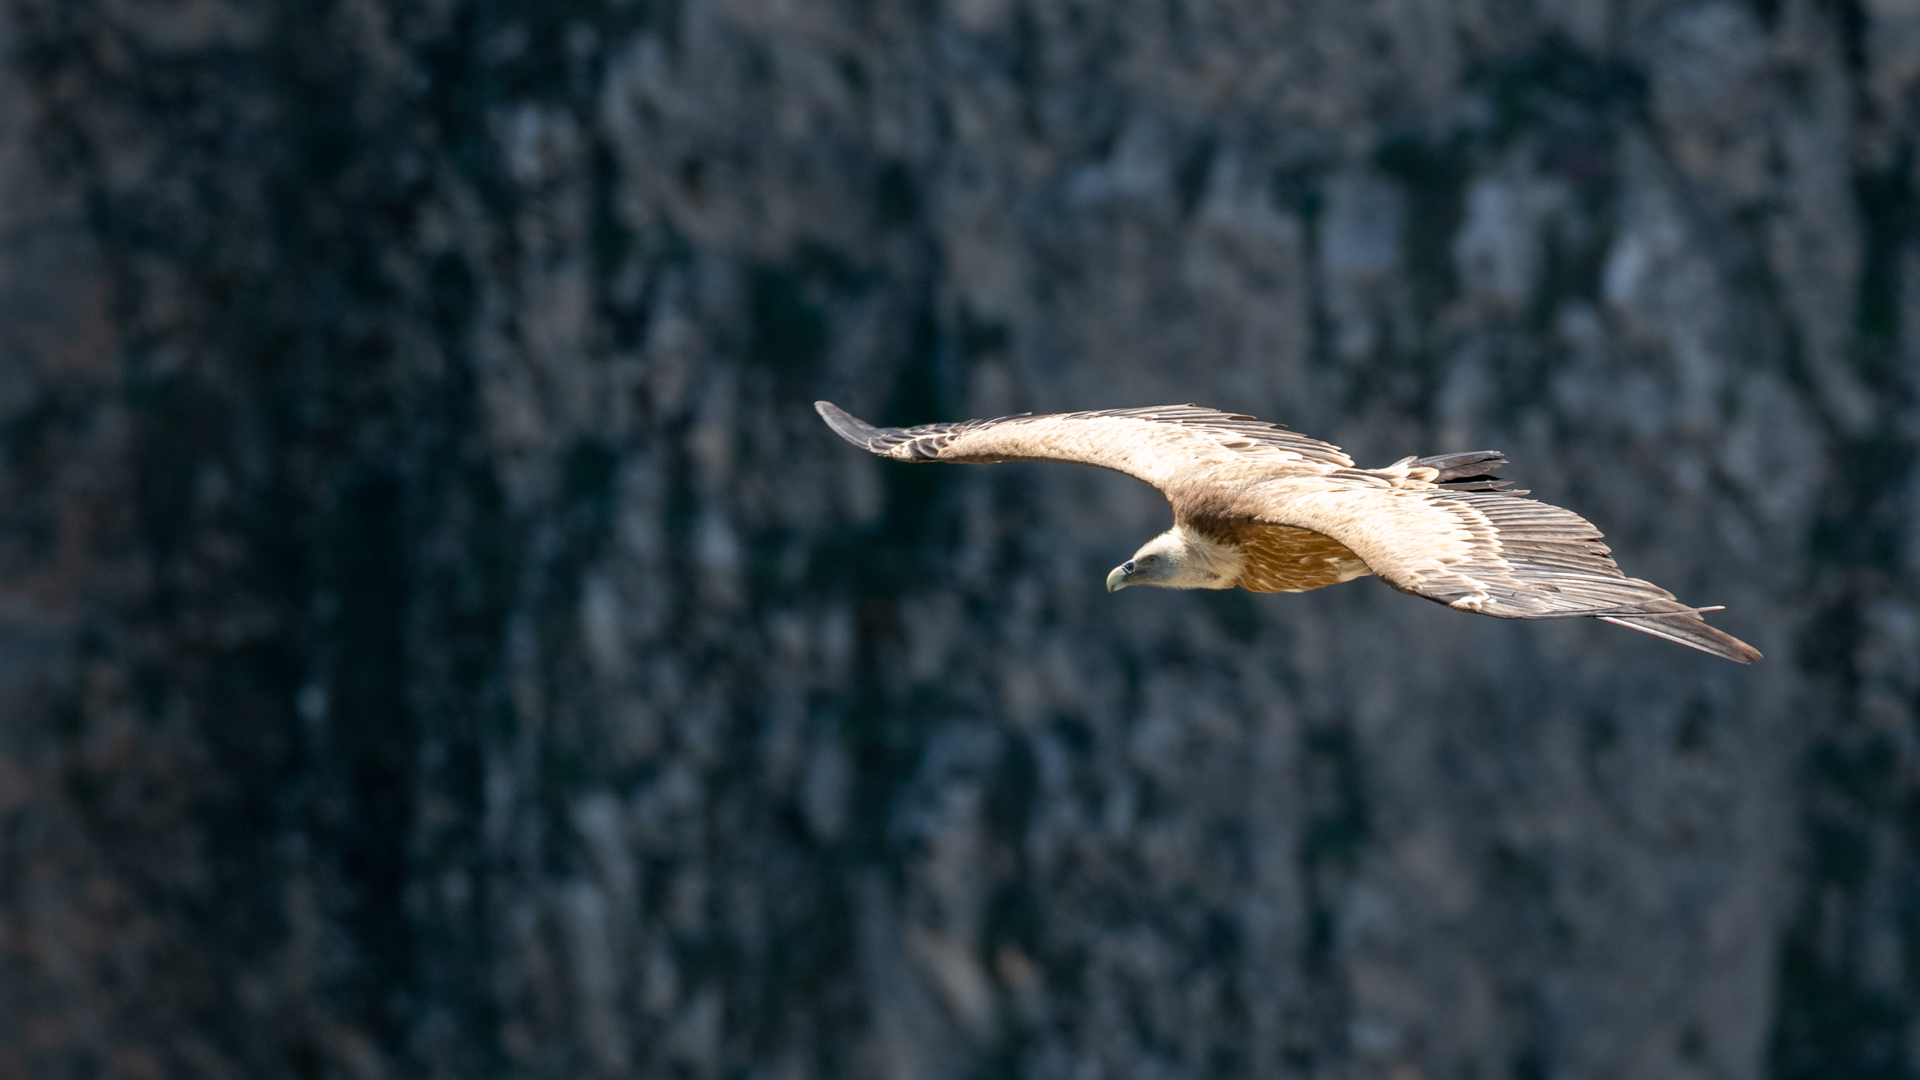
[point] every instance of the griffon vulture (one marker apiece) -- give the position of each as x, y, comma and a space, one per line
1258, 506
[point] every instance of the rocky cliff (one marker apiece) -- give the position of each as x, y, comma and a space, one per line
438, 639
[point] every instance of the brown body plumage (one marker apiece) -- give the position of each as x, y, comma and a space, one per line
1262, 508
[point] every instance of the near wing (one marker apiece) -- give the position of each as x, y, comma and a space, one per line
1485, 551
1159, 444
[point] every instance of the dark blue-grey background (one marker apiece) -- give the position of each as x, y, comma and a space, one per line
438, 639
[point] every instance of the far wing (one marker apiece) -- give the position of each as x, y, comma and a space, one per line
1482, 551
1162, 444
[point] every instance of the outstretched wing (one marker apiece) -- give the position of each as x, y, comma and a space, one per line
1160, 444
1489, 552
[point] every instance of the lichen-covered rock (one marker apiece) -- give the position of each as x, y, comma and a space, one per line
437, 637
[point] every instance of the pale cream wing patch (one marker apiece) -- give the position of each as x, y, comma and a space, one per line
1484, 551
1161, 445
1489, 552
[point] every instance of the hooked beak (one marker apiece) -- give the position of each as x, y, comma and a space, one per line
1118, 579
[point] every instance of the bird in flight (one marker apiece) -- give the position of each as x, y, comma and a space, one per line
1268, 510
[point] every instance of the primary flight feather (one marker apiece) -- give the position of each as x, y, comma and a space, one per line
1268, 510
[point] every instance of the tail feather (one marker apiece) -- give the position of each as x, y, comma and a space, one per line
1688, 628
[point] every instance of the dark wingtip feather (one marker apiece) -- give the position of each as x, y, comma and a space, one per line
1471, 471
1692, 631
846, 425
1471, 465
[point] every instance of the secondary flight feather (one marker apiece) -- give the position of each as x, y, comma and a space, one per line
1268, 510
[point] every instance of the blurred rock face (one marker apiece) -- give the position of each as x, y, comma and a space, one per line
438, 639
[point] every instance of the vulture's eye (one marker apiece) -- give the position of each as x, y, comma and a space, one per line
1151, 558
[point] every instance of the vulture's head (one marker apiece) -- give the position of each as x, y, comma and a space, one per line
1179, 559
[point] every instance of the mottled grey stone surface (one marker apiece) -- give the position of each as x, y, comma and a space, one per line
438, 639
